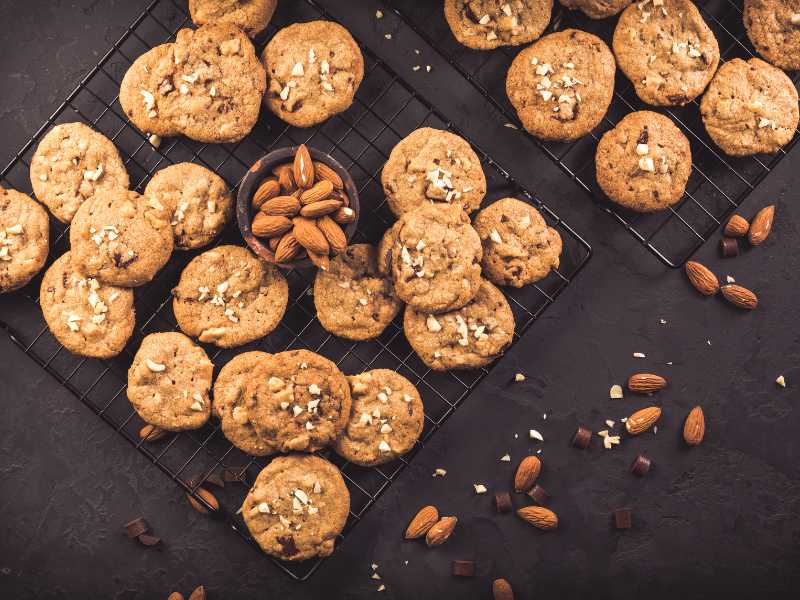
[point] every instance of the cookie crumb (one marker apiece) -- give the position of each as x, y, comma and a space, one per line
535, 435
781, 381
519, 377
439, 472
479, 488
615, 393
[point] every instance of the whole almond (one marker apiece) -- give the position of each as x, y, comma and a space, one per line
501, 590
285, 178
175, 596
538, 516
642, 420
695, 427
321, 208
199, 593
736, 226
739, 296
281, 206
325, 173
703, 280
303, 168
287, 248
333, 233
646, 383
322, 261
266, 191
422, 522
441, 531
269, 225
151, 433
310, 236
344, 215
320, 191
527, 472
207, 496
761, 225
273, 243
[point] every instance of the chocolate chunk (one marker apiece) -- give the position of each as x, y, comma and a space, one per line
622, 518
149, 540
137, 527
641, 465
582, 437
288, 547
502, 502
464, 568
729, 247
643, 137
538, 494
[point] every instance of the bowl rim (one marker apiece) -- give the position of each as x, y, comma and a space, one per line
261, 170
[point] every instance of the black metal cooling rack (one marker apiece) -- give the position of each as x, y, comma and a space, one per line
386, 109
718, 183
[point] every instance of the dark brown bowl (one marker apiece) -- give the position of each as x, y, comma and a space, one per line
262, 170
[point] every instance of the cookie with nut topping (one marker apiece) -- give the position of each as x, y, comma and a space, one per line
169, 382
228, 297
561, 85
251, 16
667, 51
24, 239
313, 72
488, 24
773, 27
597, 9
298, 401
297, 507
207, 85
518, 246
644, 163
89, 318
468, 338
385, 421
73, 163
433, 166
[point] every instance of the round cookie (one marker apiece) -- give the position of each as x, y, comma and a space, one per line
597, 9
561, 85
89, 318
207, 85
198, 201
488, 24
467, 338
773, 27
72, 164
750, 107
667, 51
298, 401
435, 258
251, 16
433, 166
386, 419
518, 246
169, 382
385, 246
352, 299
24, 239
228, 297
313, 72
644, 162
121, 238
297, 507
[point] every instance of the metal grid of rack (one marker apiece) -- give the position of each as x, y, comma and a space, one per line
718, 183
385, 110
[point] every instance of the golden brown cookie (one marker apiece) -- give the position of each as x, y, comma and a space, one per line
488, 24
251, 16
24, 239
597, 9
773, 27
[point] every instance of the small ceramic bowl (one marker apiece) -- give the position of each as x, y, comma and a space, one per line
262, 170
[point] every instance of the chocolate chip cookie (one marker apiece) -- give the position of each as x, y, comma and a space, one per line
297, 507
120, 238
487, 24
229, 297
251, 16
169, 382
89, 318
353, 299
597, 9
644, 162
433, 166
667, 51
198, 201
385, 421
313, 72
24, 239
208, 86
72, 163
467, 338
297, 401
773, 27
435, 258
561, 85
750, 107
518, 246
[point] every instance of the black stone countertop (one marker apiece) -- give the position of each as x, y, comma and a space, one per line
723, 518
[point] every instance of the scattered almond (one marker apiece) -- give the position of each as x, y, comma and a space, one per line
422, 522
207, 496
527, 473
269, 225
175, 596
303, 168
538, 516
736, 226
281, 206
199, 593
739, 296
151, 433
320, 208
761, 225
266, 191
695, 427
441, 531
646, 383
336, 237
310, 236
642, 420
501, 590
703, 280
326, 173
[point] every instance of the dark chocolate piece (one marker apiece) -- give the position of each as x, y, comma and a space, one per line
582, 437
622, 518
729, 247
641, 465
502, 502
464, 568
539, 495
149, 540
136, 527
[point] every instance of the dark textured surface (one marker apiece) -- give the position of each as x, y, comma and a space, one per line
722, 518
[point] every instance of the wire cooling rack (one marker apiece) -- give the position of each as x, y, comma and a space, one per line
386, 109
718, 183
